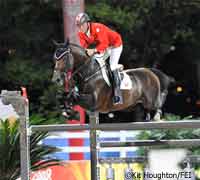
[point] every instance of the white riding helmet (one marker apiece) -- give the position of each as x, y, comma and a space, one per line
81, 18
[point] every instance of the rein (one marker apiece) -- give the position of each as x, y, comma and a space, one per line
86, 64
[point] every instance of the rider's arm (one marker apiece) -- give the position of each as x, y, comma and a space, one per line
91, 52
82, 40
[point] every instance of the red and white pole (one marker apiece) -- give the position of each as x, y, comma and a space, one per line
70, 10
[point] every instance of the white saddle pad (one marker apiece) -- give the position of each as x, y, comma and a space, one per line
126, 82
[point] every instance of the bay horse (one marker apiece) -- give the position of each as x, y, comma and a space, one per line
88, 88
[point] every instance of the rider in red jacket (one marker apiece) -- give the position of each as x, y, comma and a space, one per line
102, 38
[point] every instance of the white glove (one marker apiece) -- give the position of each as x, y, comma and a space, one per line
91, 52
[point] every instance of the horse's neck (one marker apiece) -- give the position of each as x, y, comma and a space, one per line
79, 61
89, 72
84, 64
83, 61
79, 56
90, 67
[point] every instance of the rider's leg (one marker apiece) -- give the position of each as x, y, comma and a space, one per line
114, 59
117, 92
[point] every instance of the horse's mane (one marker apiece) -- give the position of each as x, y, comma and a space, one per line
78, 49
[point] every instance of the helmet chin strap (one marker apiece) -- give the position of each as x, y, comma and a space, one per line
88, 30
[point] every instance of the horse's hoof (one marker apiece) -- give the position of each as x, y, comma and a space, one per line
65, 114
157, 117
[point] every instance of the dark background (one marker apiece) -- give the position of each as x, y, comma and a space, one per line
159, 33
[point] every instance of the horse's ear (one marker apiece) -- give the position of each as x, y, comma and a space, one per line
66, 43
55, 43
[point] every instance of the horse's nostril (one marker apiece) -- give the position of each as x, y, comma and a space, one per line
57, 80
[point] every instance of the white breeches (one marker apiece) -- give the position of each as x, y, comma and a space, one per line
114, 54
114, 57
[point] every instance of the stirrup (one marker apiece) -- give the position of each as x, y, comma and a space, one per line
117, 100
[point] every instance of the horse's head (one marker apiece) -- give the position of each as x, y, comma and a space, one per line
64, 61
69, 59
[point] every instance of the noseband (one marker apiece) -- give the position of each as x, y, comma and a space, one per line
60, 53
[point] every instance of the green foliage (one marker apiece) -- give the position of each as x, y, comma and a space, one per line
38, 119
150, 28
10, 149
26, 72
27, 30
119, 18
27, 26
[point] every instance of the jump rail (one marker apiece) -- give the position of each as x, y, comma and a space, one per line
171, 142
140, 159
121, 126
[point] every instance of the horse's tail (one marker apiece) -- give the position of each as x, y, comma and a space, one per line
166, 81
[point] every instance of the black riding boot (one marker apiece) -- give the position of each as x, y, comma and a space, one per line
117, 99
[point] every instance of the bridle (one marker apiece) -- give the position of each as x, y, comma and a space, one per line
65, 55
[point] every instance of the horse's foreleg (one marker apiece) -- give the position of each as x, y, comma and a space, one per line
158, 114
148, 117
87, 101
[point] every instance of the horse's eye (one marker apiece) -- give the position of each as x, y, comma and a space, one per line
59, 52
63, 49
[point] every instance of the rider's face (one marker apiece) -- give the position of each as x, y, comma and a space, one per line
84, 27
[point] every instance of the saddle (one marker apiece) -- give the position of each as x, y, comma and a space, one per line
125, 83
